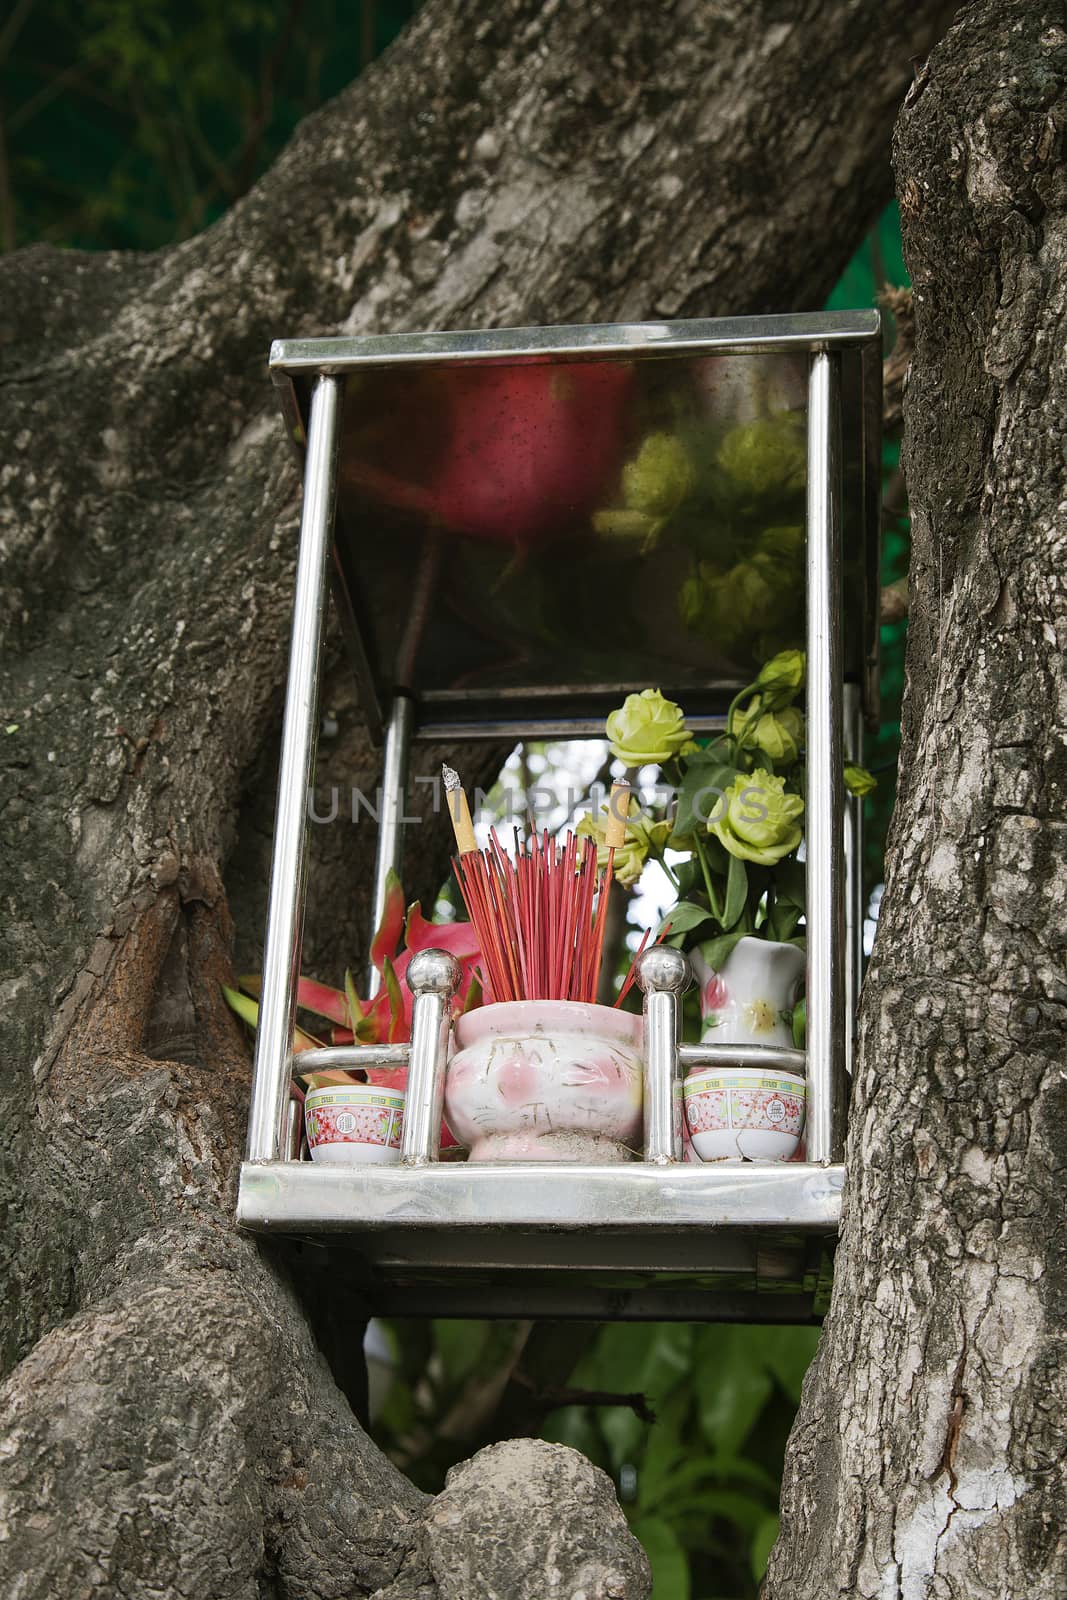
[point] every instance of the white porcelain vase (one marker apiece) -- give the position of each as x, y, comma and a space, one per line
750, 999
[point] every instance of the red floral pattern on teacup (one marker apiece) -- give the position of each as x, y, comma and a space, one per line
355, 1124
774, 1110
707, 1112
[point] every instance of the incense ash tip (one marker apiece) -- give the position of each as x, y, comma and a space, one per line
450, 776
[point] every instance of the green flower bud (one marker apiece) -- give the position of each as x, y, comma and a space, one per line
859, 781
780, 678
780, 735
659, 477
765, 458
758, 821
784, 544
646, 728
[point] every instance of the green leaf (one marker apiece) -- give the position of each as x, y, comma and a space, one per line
689, 877
859, 781
459, 1345
685, 916
788, 1353
474, 994
800, 1024
790, 882
697, 798
783, 921
634, 1358
736, 893
762, 1544
396, 1000
666, 1557
717, 854
667, 1454
731, 1382
246, 1009
715, 951
355, 1004
574, 1426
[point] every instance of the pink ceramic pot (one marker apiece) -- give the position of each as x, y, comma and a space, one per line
546, 1080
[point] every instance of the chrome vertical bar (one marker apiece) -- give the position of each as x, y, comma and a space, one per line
824, 832
855, 905
391, 814
285, 906
663, 975
433, 977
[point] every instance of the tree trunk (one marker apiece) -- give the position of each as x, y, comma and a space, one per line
927, 1456
171, 1427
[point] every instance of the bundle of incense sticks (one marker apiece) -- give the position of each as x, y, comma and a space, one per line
540, 917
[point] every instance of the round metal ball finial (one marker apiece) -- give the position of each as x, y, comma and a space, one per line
663, 970
434, 972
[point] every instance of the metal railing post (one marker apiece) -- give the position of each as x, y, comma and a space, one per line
663, 975
824, 830
433, 978
391, 814
285, 906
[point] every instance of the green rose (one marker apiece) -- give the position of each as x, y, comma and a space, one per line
765, 458
631, 855
646, 728
859, 781
784, 544
780, 678
758, 821
736, 606
659, 477
780, 735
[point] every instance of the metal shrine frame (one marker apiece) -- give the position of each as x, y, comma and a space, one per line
649, 1238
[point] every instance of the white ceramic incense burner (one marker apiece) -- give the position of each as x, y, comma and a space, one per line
546, 1080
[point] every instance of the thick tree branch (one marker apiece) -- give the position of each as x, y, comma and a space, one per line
927, 1457
524, 162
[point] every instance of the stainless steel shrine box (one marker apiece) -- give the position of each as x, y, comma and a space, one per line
462, 500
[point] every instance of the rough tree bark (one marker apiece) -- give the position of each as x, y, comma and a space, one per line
170, 1426
927, 1459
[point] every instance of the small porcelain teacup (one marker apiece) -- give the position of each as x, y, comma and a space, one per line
350, 1123
744, 1113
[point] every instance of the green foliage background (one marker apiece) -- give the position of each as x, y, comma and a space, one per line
130, 124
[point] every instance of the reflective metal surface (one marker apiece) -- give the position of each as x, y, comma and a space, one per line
496, 1201
742, 1055
514, 527
285, 909
824, 818
390, 815
779, 334
663, 976
434, 977
354, 1056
